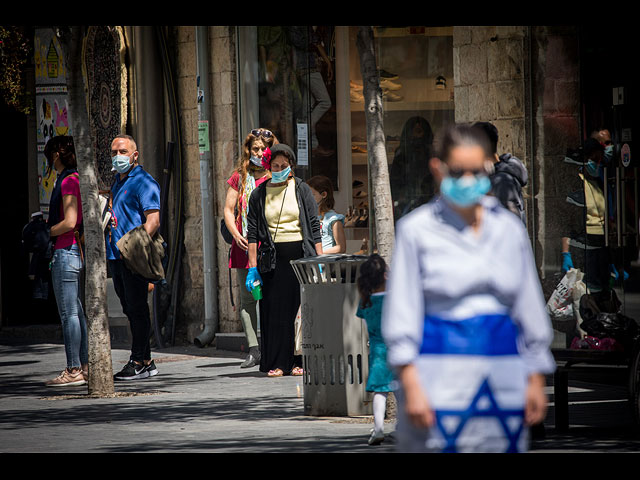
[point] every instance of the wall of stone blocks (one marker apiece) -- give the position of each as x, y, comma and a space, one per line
221, 99
526, 82
557, 127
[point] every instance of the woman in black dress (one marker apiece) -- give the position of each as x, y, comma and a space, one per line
283, 222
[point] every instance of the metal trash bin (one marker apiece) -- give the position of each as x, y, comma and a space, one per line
334, 340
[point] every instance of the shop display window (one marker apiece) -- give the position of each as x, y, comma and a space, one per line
304, 84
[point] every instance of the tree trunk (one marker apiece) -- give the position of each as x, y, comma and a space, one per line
100, 363
379, 189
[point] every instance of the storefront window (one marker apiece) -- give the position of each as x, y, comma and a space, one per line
309, 93
416, 76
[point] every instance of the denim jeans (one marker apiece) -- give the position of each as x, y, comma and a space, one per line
66, 268
133, 291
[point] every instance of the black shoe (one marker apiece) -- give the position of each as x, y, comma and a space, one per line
151, 369
132, 371
576, 198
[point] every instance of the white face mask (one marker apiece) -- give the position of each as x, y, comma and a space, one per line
121, 163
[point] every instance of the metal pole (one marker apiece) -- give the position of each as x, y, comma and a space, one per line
206, 190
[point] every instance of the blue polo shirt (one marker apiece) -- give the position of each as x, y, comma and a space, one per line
132, 196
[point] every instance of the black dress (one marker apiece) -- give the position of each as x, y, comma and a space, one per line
278, 309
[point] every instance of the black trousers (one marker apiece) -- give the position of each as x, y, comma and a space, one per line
133, 291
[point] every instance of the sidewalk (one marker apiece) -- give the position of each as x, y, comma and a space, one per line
202, 401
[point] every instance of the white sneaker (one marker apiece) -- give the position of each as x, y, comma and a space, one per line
376, 438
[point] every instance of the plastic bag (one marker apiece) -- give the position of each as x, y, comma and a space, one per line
560, 304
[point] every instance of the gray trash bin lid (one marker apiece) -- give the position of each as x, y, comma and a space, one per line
336, 268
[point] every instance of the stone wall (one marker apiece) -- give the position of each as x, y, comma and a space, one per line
556, 127
526, 82
489, 82
223, 119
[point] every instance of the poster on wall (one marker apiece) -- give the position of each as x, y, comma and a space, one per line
52, 108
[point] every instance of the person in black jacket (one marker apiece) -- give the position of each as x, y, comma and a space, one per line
282, 225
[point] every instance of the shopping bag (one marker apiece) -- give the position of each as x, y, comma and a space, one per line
560, 304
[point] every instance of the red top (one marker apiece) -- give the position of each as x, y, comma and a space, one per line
240, 258
70, 186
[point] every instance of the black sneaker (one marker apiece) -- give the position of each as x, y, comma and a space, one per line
151, 369
132, 371
576, 198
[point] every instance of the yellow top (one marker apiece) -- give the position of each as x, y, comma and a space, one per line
594, 200
289, 228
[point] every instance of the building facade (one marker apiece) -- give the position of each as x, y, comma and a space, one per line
544, 88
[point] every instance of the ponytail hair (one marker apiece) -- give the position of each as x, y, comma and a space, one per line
371, 278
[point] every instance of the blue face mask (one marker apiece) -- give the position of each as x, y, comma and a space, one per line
593, 168
281, 176
121, 163
256, 161
465, 191
608, 153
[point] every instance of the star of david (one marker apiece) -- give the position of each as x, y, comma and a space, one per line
452, 422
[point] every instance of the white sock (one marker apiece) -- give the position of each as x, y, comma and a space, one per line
379, 409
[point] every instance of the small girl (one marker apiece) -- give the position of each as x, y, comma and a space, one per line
332, 223
371, 286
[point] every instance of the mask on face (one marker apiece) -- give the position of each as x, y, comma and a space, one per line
608, 153
465, 191
256, 161
121, 163
281, 176
593, 168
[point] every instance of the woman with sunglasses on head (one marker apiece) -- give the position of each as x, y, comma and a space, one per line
465, 320
283, 226
248, 174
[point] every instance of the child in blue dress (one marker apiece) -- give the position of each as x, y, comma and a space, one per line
331, 223
371, 286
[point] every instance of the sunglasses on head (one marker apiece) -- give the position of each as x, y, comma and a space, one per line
260, 132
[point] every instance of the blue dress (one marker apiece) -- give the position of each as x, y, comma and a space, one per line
380, 376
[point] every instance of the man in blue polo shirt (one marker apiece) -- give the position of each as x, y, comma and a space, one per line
136, 201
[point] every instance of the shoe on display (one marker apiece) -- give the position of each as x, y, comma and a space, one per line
388, 84
387, 75
576, 198
67, 378
356, 97
358, 149
580, 241
391, 96
357, 183
360, 194
357, 87
132, 371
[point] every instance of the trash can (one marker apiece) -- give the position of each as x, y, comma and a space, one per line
334, 341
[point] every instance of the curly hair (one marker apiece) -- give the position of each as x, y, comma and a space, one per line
244, 163
371, 278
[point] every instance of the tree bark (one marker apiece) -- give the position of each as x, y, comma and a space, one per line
96, 313
380, 189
